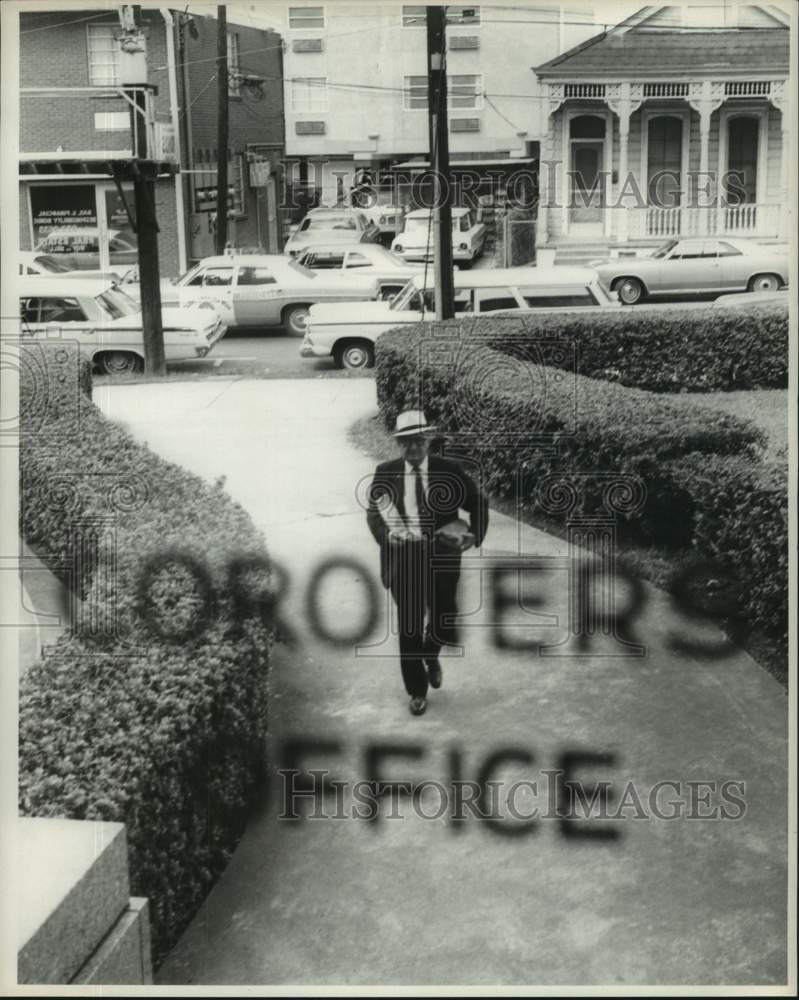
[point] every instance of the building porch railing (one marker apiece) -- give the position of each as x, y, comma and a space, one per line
749, 219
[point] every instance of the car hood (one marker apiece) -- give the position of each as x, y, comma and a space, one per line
349, 312
172, 318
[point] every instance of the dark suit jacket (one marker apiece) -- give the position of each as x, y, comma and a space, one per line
449, 491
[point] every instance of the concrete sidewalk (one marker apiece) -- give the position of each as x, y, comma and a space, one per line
419, 902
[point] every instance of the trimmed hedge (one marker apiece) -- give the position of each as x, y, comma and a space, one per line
520, 422
739, 519
158, 725
676, 350
707, 487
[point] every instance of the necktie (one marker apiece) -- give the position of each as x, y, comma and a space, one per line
421, 505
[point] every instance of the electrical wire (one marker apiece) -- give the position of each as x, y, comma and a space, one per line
64, 24
600, 29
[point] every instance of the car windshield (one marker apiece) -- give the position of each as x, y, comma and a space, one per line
409, 297
117, 303
662, 251
412, 225
329, 222
47, 263
306, 272
185, 279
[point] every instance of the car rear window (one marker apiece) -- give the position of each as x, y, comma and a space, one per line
329, 222
60, 310
498, 301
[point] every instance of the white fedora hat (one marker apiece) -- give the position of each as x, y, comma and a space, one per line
412, 423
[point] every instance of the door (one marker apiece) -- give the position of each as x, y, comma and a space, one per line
255, 297
215, 285
587, 194
735, 266
692, 264
273, 236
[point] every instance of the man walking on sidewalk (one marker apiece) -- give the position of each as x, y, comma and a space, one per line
414, 506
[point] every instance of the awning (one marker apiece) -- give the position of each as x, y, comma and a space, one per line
455, 164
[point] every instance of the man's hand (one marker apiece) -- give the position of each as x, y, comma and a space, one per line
400, 534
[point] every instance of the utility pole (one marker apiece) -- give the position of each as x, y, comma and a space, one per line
222, 129
133, 74
439, 160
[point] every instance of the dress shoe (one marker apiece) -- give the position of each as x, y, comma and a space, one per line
418, 706
434, 674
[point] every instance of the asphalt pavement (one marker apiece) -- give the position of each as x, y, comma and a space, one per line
423, 901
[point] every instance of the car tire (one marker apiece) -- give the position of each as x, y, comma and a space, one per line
764, 283
355, 355
630, 290
295, 320
120, 363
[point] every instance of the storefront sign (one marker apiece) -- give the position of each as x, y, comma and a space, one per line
62, 207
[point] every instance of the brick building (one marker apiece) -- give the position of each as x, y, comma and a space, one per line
74, 120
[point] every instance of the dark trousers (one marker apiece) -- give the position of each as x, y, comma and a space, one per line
423, 587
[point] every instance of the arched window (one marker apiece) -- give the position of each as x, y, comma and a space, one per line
587, 127
742, 142
664, 161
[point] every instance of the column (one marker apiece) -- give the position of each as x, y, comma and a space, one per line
544, 188
785, 227
624, 135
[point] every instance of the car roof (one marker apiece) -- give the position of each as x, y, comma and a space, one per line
515, 276
350, 247
231, 259
37, 285
344, 210
423, 213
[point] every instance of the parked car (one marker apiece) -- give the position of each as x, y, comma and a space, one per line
107, 324
348, 332
415, 242
331, 225
79, 248
688, 266
264, 289
379, 206
31, 262
389, 270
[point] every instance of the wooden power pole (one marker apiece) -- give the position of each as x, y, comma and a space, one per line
143, 170
439, 161
222, 129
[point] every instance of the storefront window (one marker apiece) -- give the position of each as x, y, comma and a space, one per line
83, 226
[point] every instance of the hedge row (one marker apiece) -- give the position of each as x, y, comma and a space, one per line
739, 519
514, 418
706, 484
156, 722
675, 350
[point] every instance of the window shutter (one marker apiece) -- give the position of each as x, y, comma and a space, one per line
464, 125
309, 128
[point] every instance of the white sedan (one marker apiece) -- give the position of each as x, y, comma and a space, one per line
107, 324
415, 242
263, 289
348, 332
391, 271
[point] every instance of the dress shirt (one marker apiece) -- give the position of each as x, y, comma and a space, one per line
411, 510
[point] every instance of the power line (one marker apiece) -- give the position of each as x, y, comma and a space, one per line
600, 29
64, 24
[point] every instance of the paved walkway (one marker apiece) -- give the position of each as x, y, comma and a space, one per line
413, 901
